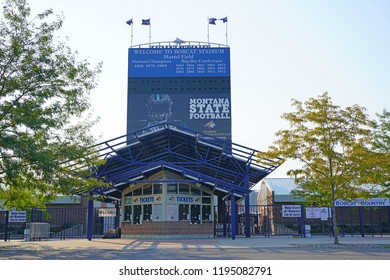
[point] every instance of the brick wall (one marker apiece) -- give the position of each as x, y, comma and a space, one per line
165, 228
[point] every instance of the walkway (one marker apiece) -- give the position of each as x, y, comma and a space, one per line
274, 248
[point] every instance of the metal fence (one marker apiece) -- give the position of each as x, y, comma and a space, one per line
270, 221
264, 221
63, 223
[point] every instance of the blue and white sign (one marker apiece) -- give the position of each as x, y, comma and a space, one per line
362, 202
291, 211
17, 216
179, 62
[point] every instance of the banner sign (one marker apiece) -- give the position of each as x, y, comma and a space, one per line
291, 211
179, 62
361, 202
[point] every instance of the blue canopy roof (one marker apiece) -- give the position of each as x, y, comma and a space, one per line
197, 157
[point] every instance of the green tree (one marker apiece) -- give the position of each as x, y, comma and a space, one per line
381, 147
329, 142
44, 99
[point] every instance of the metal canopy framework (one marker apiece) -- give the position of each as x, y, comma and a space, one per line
222, 165
231, 170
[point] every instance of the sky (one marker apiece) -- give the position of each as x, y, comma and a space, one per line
280, 50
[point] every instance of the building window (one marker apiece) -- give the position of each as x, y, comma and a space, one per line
206, 194
147, 189
195, 191
157, 188
206, 212
184, 189
184, 211
172, 188
137, 192
137, 214
195, 214
147, 212
128, 213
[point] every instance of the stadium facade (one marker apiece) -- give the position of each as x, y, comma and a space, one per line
177, 169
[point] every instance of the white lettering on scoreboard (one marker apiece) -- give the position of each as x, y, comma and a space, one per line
291, 211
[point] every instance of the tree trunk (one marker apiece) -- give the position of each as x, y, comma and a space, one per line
334, 221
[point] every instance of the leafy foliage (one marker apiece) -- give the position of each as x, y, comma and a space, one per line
381, 147
330, 142
334, 147
44, 94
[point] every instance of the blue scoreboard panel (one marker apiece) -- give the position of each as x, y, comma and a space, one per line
188, 87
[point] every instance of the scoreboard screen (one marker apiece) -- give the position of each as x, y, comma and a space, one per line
188, 87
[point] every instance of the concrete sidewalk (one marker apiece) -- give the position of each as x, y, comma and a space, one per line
240, 242
254, 248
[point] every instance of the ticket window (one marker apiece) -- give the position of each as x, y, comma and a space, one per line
195, 214
184, 212
137, 214
206, 212
147, 215
128, 210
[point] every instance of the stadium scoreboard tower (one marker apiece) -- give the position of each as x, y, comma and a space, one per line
186, 84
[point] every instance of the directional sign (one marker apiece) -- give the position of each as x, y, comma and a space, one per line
291, 211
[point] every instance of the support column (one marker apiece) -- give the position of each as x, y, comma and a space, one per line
247, 216
117, 217
233, 211
90, 219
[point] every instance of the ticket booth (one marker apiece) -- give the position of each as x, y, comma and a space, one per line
166, 206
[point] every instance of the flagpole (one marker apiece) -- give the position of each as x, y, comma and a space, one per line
132, 32
226, 32
150, 31
208, 31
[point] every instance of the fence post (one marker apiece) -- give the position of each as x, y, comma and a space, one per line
388, 216
6, 226
90, 219
361, 221
380, 221
301, 222
342, 221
